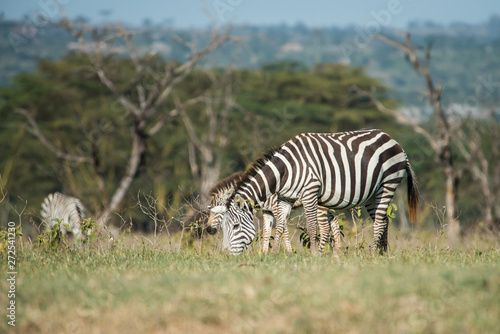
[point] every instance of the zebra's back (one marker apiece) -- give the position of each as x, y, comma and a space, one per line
347, 167
69, 210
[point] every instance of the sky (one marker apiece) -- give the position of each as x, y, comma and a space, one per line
315, 13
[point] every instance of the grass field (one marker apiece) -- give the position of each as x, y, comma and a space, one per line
136, 287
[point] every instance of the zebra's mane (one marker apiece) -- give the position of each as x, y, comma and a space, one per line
256, 166
230, 181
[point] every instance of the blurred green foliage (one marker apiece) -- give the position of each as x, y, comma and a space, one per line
463, 56
78, 115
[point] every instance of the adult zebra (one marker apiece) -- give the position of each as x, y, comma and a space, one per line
69, 210
337, 171
220, 193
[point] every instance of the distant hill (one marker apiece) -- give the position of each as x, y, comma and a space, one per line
465, 58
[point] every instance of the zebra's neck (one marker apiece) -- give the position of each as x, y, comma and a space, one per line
257, 187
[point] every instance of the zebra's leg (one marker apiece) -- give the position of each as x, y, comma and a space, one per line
286, 238
310, 203
268, 224
281, 212
377, 209
324, 226
334, 225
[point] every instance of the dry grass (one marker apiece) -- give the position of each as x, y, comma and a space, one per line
136, 287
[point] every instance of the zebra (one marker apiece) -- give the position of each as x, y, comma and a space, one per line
270, 210
323, 171
69, 210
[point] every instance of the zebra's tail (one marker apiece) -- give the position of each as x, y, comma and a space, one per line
413, 193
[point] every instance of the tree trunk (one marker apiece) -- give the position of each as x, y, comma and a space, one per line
491, 215
441, 145
453, 231
135, 159
209, 176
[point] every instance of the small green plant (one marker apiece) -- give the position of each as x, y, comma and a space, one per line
196, 225
304, 237
88, 229
53, 238
391, 212
257, 239
7, 236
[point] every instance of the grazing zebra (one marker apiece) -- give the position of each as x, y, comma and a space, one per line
69, 210
270, 209
322, 171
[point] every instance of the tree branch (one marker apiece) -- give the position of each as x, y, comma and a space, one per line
441, 145
144, 105
400, 118
185, 69
35, 130
189, 125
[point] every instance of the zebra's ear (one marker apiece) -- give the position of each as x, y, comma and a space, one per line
227, 193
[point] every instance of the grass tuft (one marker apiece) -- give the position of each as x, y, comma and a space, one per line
137, 287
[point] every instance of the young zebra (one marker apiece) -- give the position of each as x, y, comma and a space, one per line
322, 171
220, 193
67, 209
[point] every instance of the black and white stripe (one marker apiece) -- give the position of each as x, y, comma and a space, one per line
219, 196
272, 209
325, 171
69, 210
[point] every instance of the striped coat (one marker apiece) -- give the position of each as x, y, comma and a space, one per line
271, 211
69, 210
338, 171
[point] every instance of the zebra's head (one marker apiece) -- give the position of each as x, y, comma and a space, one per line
219, 206
234, 214
237, 226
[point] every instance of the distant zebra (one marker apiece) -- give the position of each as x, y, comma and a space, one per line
337, 171
270, 209
69, 210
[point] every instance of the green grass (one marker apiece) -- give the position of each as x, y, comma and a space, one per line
137, 288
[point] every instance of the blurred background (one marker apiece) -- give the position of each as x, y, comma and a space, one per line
138, 108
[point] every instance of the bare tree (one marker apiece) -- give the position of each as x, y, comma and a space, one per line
484, 164
441, 140
206, 147
144, 103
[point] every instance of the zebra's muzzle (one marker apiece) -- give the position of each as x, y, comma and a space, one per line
216, 214
218, 209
